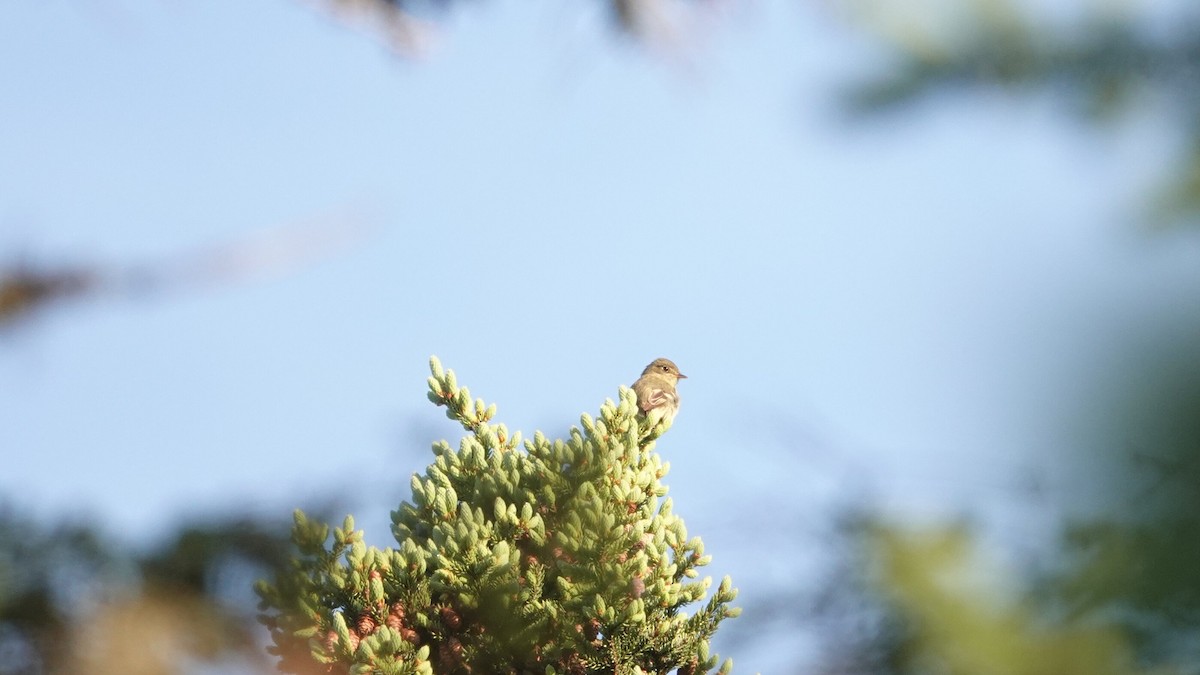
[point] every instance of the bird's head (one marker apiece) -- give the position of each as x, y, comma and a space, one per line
664, 367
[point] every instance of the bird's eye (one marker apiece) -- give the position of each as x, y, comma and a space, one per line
666, 369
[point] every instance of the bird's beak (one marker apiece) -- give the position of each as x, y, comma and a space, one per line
682, 376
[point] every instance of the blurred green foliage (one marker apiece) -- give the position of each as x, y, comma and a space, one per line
1106, 61
1124, 595
963, 616
1136, 563
1122, 592
74, 600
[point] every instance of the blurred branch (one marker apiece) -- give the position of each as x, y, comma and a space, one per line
409, 27
397, 20
26, 289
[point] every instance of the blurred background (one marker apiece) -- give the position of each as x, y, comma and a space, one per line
932, 268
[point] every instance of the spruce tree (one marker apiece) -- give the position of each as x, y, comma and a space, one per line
516, 557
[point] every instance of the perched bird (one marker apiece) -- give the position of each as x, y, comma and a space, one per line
655, 389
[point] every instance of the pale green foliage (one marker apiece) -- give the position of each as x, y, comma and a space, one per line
962, 616
543, 557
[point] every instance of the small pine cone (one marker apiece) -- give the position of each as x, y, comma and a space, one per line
354, 640
575, 665
375, 574
410, 635
450, 618
395, 617
330, 641
592, 629
450, 653
366, 625
622, 556
637, 587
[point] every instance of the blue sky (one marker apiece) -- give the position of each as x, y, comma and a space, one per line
913, 304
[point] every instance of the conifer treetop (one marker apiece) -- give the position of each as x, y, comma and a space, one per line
535, 556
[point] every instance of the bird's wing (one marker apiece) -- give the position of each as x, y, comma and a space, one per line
650, 397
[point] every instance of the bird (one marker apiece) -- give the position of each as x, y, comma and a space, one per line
657, 399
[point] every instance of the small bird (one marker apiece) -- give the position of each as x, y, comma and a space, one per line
655, 389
